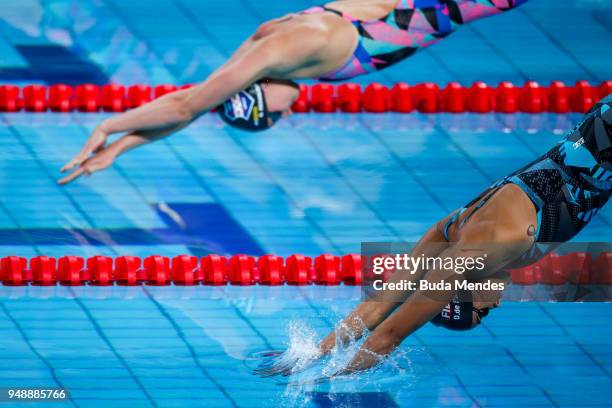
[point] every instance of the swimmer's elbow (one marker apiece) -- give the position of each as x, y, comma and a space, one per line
181, 109
184, 114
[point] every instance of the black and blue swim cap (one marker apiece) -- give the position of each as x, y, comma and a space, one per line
460, 314
247, 110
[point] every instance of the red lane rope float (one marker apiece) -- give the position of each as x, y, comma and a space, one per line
530, 97
245, 270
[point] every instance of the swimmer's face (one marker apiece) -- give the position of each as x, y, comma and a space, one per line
488, 303
483, 302
280, 95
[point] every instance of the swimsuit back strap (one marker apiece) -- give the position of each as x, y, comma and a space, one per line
451, 221
340, 13
482, 202
483, 197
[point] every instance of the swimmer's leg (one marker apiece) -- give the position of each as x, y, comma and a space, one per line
471, 10
441, 19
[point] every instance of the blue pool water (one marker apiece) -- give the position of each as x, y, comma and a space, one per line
314, 184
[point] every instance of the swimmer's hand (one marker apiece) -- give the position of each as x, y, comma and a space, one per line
94, 144
102, 159
285, 364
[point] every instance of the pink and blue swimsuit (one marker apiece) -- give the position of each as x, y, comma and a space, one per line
412, 25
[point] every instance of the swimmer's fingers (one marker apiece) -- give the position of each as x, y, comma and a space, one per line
285, 364
95, 144
273, 353
273, 358
77, 160
285, 368
269, 371
72, 176
268, 357
96, 163
285, 372
82, 157
278, 368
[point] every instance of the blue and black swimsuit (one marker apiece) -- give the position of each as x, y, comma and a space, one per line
568, 184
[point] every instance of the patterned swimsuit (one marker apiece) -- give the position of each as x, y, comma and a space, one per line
412, 25
569, 184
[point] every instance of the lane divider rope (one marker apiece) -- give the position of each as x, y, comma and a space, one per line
506, 97
245, 270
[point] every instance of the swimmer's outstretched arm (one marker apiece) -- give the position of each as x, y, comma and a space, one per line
419, 309
106, 155
505, 229
365, 317
259, 57
370, 313
178, 109
390, 331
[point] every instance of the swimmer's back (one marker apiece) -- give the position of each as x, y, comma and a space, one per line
573, 181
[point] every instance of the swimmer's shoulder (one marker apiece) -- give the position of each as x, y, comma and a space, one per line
313, 25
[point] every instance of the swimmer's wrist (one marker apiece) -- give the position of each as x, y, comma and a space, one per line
326, 346
115, 149
104, 127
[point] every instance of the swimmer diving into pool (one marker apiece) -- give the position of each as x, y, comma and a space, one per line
549, 200
255, 87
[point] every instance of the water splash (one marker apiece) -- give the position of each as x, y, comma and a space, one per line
311, 372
